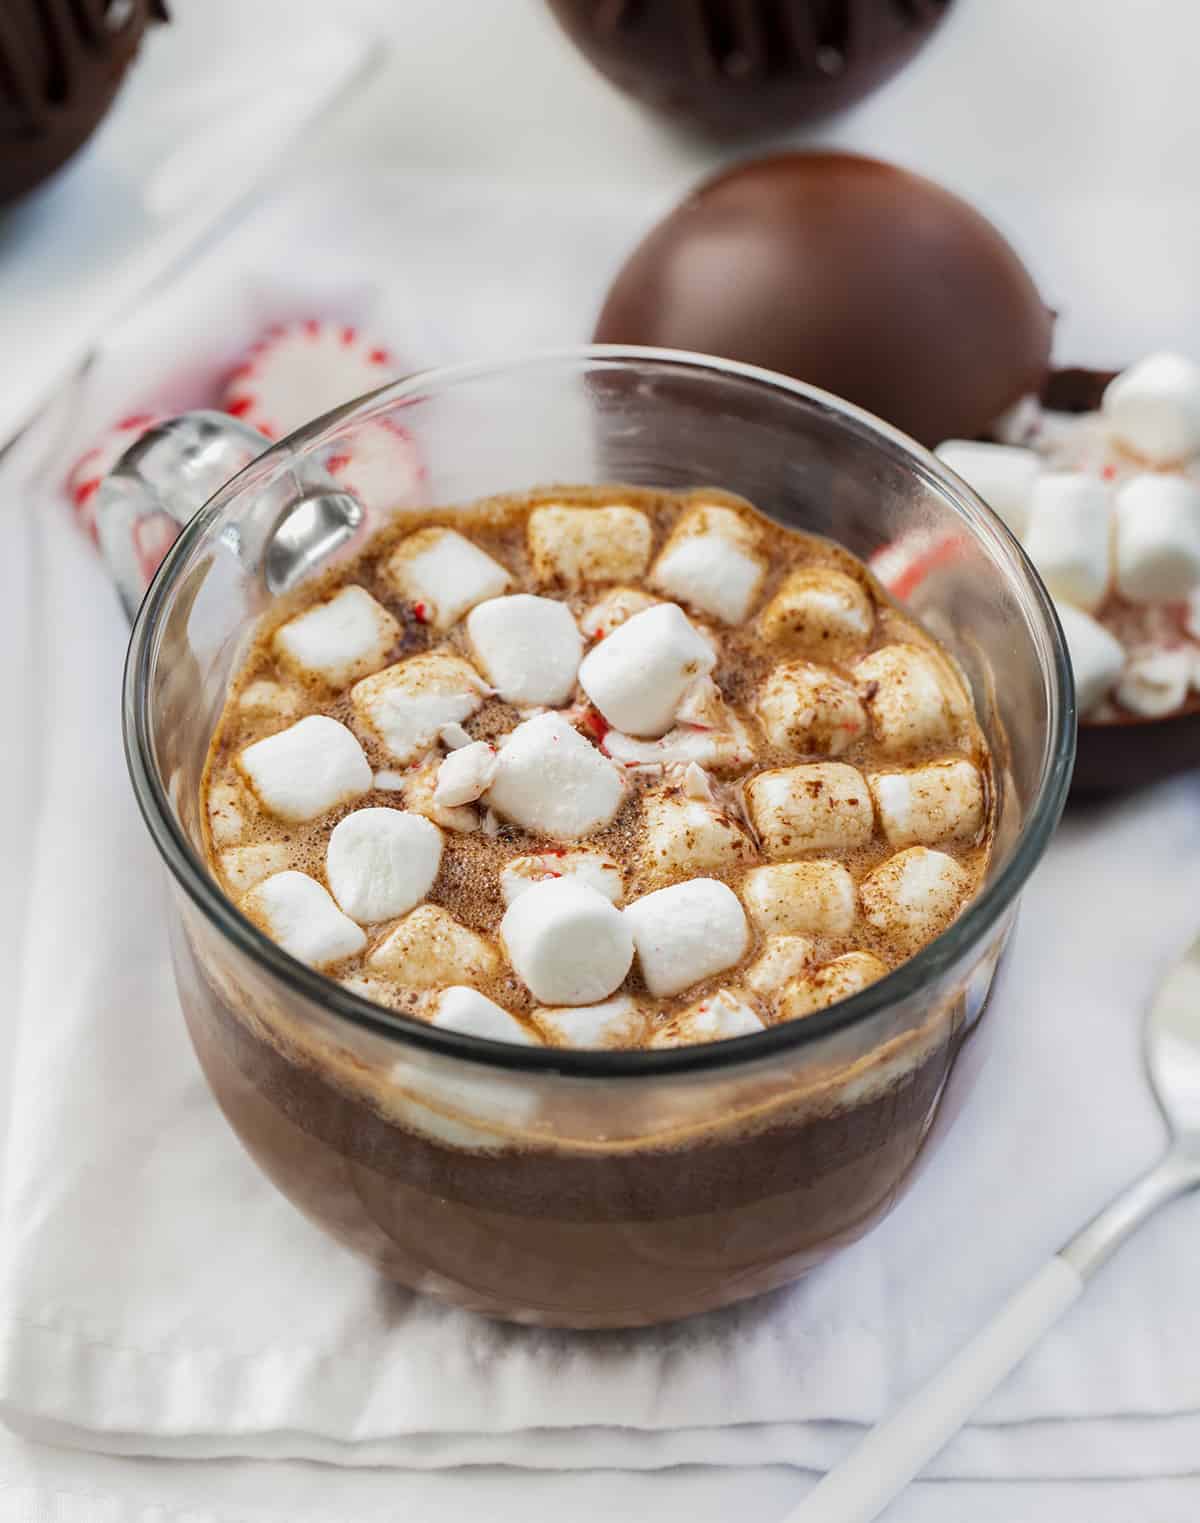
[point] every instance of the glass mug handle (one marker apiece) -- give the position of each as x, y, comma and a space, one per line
166, 477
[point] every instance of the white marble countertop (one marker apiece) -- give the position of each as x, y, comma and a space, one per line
1020, 106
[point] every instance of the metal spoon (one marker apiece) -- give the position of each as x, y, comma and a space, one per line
897, 1450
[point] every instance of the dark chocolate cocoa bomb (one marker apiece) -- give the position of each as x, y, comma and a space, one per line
729, 67
848, 273
60, 67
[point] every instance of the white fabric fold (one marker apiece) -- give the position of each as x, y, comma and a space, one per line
158, 1297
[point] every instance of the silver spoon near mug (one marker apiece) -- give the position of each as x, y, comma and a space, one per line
894, 1453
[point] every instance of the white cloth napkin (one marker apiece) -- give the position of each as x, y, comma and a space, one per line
159, 1297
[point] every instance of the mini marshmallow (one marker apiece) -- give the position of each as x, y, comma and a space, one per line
405, 706
809, 711
419, 787
598, 872
244, 866
569, 944
429, 948
1097, 657
1156, 683
466, 1010
299, 773
684, 836
798, 809
339, 640
270, 700
711, 562
637, 676
616, 1024
728, 749
298, 913
716, 1019
783, 959
465, 775
226, 811
551, 781
1158, 539
908, 696
528, 648
1002, 474
381, 862
821, 611
442, 574
1069, 538
614, 608
920, 806
914, 894
815, 897
576, 545
825, 986
687, 932
1153, 408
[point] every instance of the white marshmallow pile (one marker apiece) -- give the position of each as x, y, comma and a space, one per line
813, 897
552, 781
463, 1009
687, 932
821, 611
713, 563
913, 894
824, 986
616, 1023
442, 574
683, 835
430, 949
637, 676
528, 648
405, 706
920, 806
299, 773
575, 545
809, 710
822, 807
716, 1019
567, 943
379, 863
298, 913
347, 636
1130, 527
598, 872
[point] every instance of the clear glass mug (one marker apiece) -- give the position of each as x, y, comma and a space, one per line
589, 1189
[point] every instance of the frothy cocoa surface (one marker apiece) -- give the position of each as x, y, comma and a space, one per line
468, 883
589, 1204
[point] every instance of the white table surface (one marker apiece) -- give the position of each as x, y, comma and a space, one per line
1014, 104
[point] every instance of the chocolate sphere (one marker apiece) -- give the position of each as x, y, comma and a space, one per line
60, 66
737, 66
847, 273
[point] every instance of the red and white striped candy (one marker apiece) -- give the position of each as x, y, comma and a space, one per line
297, 371
381, 465
905, 563
83, 480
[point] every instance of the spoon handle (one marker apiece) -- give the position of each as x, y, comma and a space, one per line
898, 1449
893, 1453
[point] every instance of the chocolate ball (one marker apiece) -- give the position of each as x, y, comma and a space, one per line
847, 273
60, 66
739, 66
